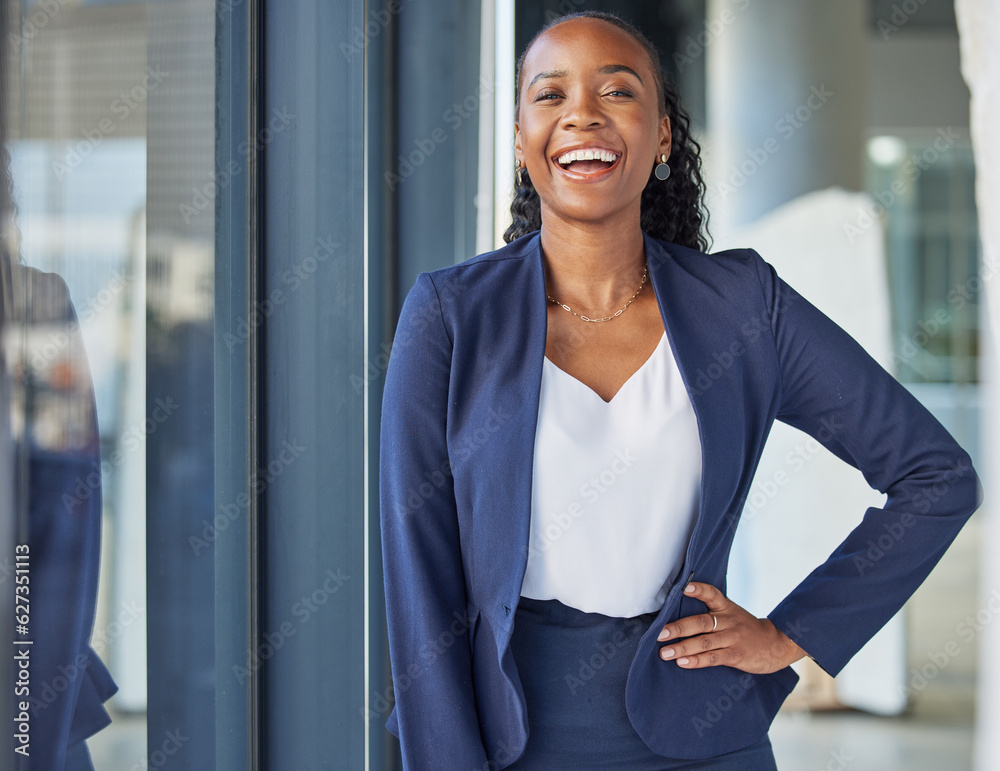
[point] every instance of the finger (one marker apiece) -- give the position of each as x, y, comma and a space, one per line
708, 594
703, 623
713, 658
694, 646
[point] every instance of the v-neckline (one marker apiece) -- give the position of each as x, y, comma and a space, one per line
622, 387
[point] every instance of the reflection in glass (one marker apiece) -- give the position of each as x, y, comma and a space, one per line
109, 113
60, 683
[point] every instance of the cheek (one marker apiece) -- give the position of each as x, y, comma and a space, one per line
534, 154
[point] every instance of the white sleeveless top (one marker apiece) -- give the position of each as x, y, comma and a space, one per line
615, 489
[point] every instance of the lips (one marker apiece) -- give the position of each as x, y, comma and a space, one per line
589, 169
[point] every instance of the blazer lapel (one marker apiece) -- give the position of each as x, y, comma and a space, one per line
511, 385
703, 332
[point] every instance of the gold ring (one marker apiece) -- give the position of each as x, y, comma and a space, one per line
716, 620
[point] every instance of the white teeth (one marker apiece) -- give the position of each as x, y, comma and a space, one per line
587, 155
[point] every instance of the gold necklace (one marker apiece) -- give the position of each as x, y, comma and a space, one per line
617, 313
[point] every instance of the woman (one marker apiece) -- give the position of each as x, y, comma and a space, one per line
570, 427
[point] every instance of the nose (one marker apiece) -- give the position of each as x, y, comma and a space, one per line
582, 110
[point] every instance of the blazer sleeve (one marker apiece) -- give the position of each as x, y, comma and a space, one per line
435, 713
833, 390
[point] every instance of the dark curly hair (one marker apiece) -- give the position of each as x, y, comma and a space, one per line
671, 210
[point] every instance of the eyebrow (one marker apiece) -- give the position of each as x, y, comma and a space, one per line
607, 69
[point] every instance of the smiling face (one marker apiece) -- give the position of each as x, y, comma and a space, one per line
589, 129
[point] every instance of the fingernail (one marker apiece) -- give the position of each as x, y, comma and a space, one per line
668, 653
690, 588
664, 635
682, 662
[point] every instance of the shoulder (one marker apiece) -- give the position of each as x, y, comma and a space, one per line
738, 272
47, 295
739, 260
438, 296
483, 278
507, 260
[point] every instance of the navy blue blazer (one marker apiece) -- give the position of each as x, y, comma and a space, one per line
457, 439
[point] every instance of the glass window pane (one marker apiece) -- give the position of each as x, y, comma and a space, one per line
925, 187
108, 349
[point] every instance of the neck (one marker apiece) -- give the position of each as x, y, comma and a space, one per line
593, 268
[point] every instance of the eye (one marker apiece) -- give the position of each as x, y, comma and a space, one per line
620, 92
547, 96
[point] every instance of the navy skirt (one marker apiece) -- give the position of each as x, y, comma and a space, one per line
573, 667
